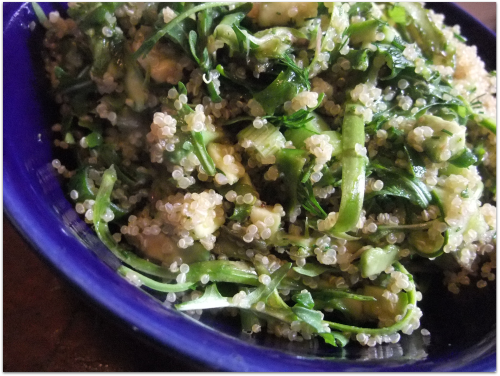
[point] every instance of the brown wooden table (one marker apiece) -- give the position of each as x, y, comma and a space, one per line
46, 327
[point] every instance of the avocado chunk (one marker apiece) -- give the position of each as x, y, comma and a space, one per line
376, 260
447, 141
383, 307
233, 169
261, 213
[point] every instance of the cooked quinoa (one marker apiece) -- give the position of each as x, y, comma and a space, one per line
291, 162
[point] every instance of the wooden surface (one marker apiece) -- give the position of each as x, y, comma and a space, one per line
485, 12
46, 327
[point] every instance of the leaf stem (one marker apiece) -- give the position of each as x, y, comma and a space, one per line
353, 171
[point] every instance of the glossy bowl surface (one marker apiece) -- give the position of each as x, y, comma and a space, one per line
463, 339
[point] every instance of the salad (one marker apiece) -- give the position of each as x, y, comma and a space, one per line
290, 163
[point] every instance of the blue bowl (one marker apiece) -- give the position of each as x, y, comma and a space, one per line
463, 328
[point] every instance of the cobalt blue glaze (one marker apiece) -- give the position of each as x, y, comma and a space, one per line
35, 203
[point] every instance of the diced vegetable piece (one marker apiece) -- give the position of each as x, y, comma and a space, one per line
426, 244
317, 124
382, 306
94, 139
351, 308
448, 139
335, 141
208, 227
261, 213
275, 42
231, 167
164, 248
267, 140
211, 136
298, 136
364, 32
375, 260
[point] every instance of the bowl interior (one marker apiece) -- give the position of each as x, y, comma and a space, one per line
462, 327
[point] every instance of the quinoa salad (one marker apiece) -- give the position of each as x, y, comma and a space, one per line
293, 164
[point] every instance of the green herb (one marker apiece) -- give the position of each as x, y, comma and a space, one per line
286, 86
150, 43
399, 183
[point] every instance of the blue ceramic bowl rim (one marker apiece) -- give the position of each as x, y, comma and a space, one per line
170, 329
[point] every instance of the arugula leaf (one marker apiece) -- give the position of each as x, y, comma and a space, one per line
311, 270
285, 87
193, 38
329, 294
180, 33
210, 299
241, 212
465, 159
272, 43
395, 187
311, 317
335, 339
68, 84
399, 183
308, 200
201, 152
394, 58
359, 59
182, 89
102, 202
206, 20
150, 43
263, 291
417, 166
304, 299
204, 62
298, 119
190, 142
302, 73
226, 33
